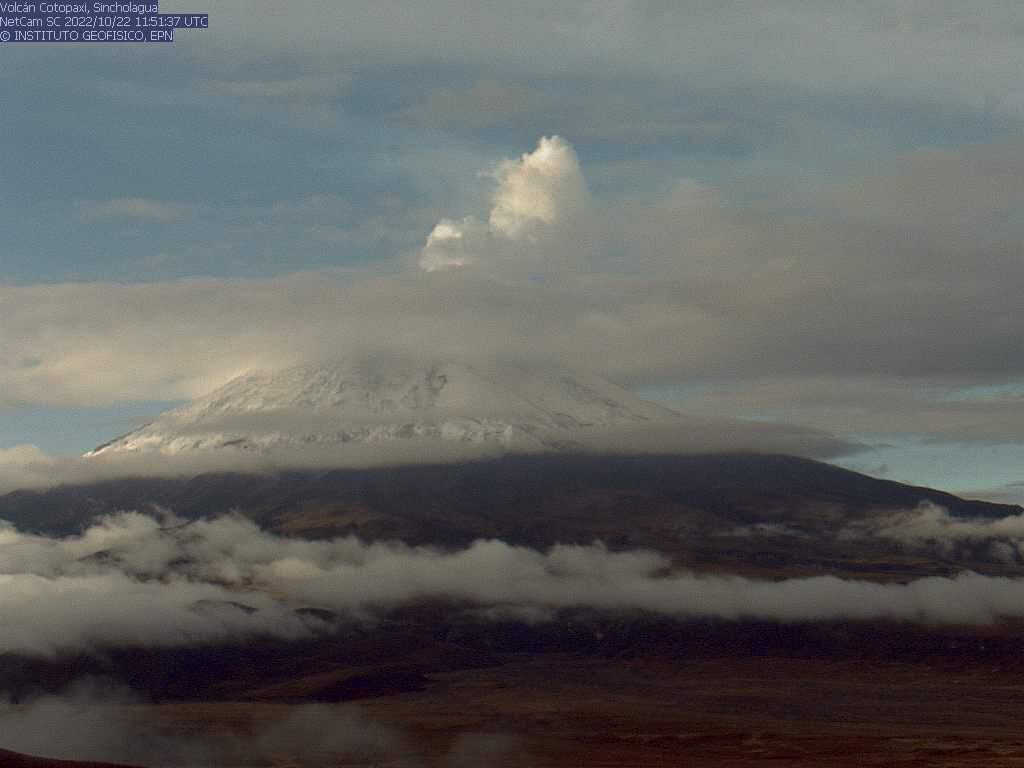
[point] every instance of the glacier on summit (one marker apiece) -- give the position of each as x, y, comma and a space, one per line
515, 406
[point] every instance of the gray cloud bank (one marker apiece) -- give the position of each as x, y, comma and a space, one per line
931, 527
939, 49
134, 580
834, 293
28, 468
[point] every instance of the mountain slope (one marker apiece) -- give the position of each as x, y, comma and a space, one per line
374, 400
687, 506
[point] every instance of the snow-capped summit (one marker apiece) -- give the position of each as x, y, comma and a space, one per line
376, 399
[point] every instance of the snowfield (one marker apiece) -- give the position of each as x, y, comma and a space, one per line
372, 400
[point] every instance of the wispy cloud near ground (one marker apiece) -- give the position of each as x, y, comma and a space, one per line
135, 580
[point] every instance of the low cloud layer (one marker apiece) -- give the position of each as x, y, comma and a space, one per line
95, 722
933, 527
929, 529
134, 580
29, 468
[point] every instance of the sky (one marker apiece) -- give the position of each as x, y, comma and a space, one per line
798, 211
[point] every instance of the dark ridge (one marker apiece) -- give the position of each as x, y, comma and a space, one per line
14, 760
685, 506
725, 483
416, 650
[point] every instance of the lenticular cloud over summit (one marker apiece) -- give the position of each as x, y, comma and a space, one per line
388, 409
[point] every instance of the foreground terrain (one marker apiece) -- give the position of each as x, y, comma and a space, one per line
564, 710
446, 682
422, 690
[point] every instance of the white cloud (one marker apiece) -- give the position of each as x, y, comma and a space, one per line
536, 195
27, 467
541, 188
933, 527
453, 244
132, 581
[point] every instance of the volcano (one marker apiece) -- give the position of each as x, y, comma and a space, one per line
377, 400
580, 685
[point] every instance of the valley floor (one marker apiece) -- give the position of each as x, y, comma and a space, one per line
562, 710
